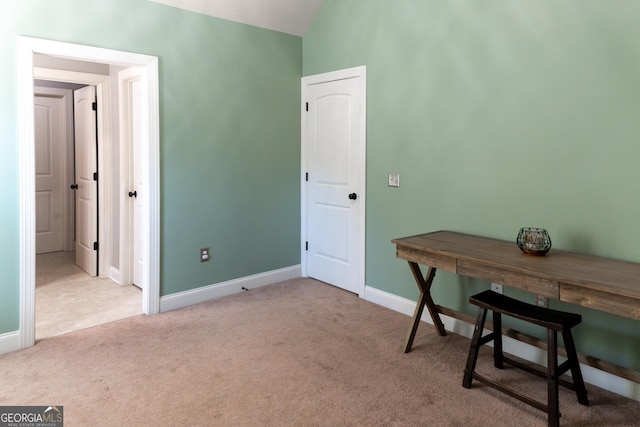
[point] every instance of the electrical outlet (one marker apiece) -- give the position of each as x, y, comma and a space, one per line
542, 301
204, 255
394, 179
496, 288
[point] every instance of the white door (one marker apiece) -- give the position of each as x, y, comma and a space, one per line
86, 180
134, 160
334, 143
50, 150
141, 193
140, 190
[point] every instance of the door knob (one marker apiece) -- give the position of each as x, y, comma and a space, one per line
133, 194
353, 196
74, 186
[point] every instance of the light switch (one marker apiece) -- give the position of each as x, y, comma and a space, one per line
394, 179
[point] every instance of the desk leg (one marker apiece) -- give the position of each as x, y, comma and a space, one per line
424, 284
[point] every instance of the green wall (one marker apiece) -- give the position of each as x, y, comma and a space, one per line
229, 135
497, 115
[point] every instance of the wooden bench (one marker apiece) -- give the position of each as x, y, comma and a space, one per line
554, 321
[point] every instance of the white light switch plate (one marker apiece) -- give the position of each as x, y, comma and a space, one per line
394, 179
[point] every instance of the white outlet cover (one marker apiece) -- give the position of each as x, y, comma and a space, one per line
394, 179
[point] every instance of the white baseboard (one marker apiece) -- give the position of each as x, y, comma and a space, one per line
517, 348
10, 342
206, 293
115, 276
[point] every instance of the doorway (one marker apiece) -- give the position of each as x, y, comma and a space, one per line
27, 48
69, 294
333, 191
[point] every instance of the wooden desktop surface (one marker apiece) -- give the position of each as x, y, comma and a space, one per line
600, 283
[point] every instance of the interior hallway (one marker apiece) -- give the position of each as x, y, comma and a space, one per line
67, 299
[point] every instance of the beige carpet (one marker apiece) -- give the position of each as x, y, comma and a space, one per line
297, 353
68, 299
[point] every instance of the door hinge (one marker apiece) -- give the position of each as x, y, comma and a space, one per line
306, 176
307, 106
95, 176
94, 106
306, 246
95, 246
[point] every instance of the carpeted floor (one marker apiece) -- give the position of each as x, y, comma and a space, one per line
297, 353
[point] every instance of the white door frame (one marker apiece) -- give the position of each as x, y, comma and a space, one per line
361, 74
26, 48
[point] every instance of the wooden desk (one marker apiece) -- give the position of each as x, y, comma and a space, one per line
600, 283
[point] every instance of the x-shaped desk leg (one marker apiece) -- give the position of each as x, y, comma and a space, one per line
424, 284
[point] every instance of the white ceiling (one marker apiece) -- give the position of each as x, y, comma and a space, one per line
286, 16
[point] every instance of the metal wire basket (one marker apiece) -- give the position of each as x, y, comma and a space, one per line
533, 241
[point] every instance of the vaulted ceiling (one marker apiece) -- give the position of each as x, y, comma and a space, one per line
286, 16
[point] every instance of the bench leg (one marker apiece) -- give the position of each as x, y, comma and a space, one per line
474, 348
553, 406
576, 374
498, 356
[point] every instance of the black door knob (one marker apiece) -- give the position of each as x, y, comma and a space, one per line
74, 186
133, 194
353, 196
